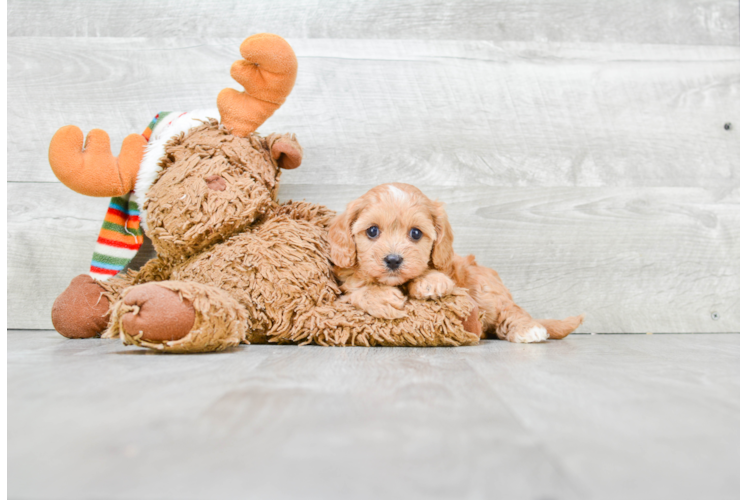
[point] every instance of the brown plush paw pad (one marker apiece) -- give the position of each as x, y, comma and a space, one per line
160, 314
81, 311
472, 323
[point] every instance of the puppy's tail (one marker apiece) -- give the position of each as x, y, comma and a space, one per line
560, 328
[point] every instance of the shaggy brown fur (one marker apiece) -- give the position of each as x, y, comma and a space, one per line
252, 269
424, 323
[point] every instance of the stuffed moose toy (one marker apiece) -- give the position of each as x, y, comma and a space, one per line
233, 264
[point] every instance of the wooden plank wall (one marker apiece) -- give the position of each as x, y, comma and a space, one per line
581, 147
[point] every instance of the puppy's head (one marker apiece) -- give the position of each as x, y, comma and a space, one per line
392, 234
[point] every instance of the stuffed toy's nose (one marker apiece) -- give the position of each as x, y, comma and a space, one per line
216, 183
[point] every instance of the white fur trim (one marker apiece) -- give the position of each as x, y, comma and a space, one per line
100, 277
111, 251
149, 167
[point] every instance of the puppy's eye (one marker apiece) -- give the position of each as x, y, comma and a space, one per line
415, 234
372, 232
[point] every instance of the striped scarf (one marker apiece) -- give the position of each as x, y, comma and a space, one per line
119, 239
121, 236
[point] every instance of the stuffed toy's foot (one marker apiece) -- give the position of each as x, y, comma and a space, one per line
157, 313
472, 322
176, 316
82, 310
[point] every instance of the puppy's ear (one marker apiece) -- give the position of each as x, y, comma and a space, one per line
342, 246
441, 253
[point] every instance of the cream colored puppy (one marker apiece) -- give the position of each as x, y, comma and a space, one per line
394, 240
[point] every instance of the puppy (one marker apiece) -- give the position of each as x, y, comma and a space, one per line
394, 240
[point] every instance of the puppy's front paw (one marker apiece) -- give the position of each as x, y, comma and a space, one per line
527, 335
381, 301
386, 302
432, 285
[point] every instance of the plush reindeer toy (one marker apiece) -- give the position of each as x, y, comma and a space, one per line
233, 264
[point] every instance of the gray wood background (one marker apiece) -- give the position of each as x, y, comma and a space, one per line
580, 146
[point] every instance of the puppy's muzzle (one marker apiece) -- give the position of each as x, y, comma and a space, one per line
393, 261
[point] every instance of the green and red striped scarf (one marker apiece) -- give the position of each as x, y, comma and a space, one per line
121, 235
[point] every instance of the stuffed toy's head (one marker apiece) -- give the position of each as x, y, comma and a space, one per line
188, 180
213, 184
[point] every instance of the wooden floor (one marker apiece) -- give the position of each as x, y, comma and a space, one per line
589, 417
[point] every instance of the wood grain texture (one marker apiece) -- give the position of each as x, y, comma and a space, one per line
581, 146
686, 22
590, 417
435, 113
634, 260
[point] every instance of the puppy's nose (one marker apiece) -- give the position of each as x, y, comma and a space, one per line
393, 261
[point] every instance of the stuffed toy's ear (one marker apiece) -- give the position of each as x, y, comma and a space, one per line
91, 169
442, 253
340, 236
267, 73
285, 150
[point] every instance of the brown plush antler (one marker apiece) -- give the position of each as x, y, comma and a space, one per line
92, 169
267, 73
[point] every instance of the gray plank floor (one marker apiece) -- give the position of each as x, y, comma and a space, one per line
589, 417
